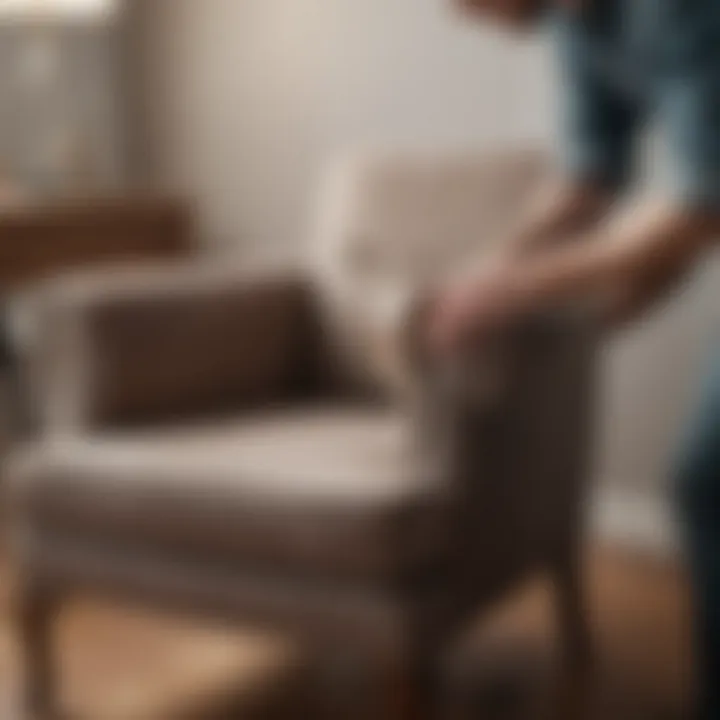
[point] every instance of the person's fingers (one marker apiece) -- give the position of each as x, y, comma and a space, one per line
444, 325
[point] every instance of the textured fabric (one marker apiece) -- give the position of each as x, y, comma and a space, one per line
348, 615
324, 490
514, 454
390, 225
198, 352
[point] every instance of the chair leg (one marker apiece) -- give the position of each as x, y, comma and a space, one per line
403, 696
410, 687
35, 613
573, 617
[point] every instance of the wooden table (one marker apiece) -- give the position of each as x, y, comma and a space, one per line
41, 240
38, 240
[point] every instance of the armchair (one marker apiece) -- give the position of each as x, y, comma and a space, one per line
255, 445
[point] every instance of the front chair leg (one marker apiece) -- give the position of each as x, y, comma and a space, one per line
36, 609
573, 617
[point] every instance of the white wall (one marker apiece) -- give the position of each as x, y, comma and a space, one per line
247, 99
253, 96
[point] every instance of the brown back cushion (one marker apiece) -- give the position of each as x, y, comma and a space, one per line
203, 351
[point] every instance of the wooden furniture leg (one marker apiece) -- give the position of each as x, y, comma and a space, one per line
36, 610
573, 616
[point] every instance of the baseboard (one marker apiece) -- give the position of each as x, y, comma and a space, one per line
641, 521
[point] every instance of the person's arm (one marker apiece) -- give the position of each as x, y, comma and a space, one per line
631, 302
561, 211
642, 251
631, 261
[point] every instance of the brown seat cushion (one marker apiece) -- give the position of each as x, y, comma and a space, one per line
325, 489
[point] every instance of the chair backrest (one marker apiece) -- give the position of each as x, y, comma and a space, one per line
392, 223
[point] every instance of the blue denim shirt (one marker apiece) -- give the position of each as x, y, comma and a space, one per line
626, 62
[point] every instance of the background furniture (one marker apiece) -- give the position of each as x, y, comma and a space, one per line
41, 240
259, 445
38, 240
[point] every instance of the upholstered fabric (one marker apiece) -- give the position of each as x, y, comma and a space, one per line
149, 344
329, 490
392, 224
519, 446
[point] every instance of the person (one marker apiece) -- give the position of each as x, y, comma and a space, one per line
623, 65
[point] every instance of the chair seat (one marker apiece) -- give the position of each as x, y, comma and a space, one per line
327, 490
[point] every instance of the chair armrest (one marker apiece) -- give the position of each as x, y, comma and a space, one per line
140, 345
510, 429
481, 376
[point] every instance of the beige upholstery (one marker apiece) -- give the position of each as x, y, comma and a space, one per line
390, 225
324, 491
200, 428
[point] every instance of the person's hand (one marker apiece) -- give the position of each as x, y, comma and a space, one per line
463, 311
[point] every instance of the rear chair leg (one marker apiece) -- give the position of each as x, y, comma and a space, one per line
411, 686
36, 610
406, 696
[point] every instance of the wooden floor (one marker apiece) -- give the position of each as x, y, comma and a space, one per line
124, 665
640, 614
